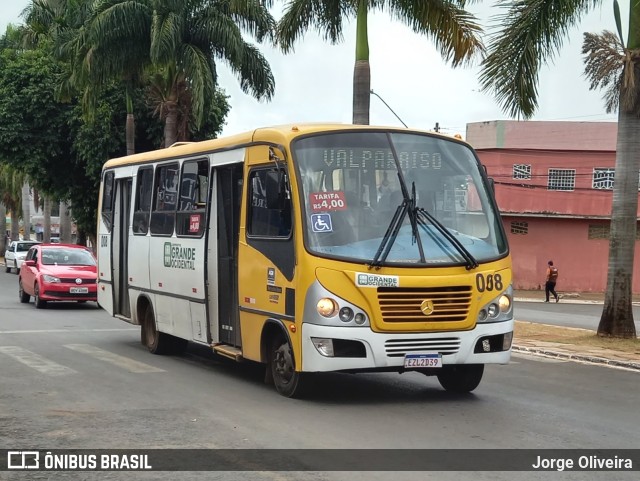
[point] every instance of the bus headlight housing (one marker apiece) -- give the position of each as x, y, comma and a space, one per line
498, 309
325, 308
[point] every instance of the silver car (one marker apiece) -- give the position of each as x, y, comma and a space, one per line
15, 254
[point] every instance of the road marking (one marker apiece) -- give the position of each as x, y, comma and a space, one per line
125, 363
49, 331
36, 361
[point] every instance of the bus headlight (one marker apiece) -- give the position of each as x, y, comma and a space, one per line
346, 314
327, 307
505, 303
498, 309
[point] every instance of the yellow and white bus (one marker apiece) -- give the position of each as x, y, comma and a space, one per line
312, 248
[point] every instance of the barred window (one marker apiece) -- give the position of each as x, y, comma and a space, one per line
522, 171
520, 228
562, 179
599, 231
603, 178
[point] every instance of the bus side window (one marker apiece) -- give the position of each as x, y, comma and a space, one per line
144, 182
107, 199
270, 206
165, 199
192, 201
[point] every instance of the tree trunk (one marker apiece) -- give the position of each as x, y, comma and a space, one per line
171, 124
130, 125
361, 70
15, 225
130, 134
46, 227
3, 229
617, 314
65, 223
26, 211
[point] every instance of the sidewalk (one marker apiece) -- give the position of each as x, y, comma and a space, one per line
572, 351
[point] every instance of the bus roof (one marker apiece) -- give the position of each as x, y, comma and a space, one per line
279, 134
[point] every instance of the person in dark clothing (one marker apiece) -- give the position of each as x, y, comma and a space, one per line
550, 284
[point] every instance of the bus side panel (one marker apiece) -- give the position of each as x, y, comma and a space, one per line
176, 275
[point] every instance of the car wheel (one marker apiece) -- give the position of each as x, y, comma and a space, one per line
40, 304
24, 297
7, 269
17, 271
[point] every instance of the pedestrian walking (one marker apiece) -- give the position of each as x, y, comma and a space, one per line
550, 284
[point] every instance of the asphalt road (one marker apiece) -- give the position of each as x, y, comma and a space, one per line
72, 377
586, 316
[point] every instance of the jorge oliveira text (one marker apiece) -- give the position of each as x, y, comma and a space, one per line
583, 463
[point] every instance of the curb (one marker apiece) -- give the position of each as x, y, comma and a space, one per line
578, 357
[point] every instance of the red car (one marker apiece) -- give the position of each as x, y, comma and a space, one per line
58, 272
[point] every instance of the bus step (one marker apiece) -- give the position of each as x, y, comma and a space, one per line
228, 351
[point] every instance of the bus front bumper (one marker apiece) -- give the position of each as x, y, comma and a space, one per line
370, 351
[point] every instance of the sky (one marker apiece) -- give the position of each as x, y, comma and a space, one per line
314, 83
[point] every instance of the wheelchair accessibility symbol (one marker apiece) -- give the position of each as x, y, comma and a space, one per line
321, 223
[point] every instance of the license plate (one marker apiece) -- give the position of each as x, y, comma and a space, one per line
78, 290
423, 360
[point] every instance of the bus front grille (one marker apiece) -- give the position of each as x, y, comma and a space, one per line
442, 345
424, 304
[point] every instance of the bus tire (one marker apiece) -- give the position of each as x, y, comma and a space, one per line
287, 381
461, 378
178, 345
155, 341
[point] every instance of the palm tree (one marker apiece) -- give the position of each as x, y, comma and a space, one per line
11, 182
179, 41
454, 31
3, 227
532, 31
64, 25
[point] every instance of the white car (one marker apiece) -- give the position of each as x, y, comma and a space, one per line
15, 254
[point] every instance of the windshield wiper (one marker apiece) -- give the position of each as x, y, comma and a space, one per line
417, 216
408, 206
422, 214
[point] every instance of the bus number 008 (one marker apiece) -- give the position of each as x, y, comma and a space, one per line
489, 283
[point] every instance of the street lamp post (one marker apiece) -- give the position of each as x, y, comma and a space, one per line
387, 105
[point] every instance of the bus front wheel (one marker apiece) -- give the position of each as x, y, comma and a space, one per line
286, 379
461, 378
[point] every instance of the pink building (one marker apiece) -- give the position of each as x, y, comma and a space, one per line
554, 184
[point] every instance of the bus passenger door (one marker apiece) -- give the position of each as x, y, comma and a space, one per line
120, 246
222, 253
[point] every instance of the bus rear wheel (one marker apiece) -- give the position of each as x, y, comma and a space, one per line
461, 378
286, 379
157, 342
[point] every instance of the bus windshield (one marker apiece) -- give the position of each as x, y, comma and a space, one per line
396, 198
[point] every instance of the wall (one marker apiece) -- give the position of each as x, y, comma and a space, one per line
582, 262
